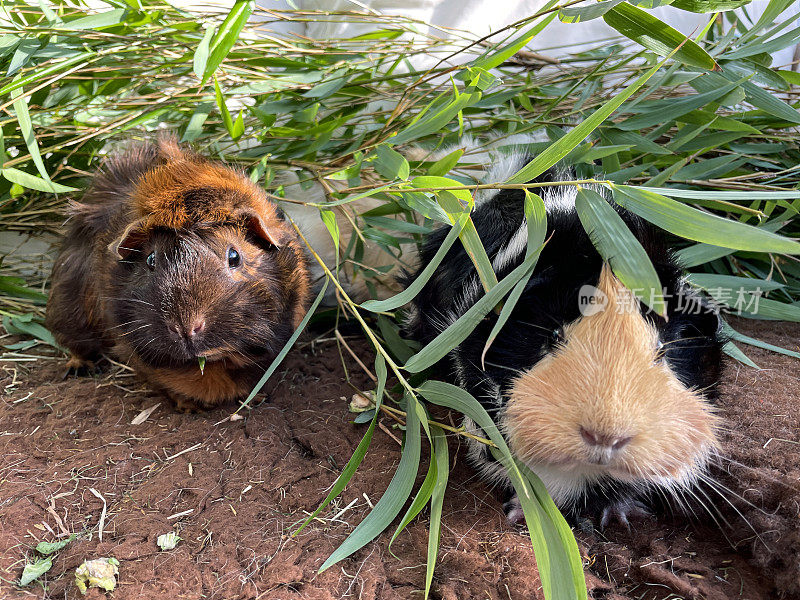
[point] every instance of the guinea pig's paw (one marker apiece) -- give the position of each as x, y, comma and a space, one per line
622, 512
80, 367
185, 405
513, 510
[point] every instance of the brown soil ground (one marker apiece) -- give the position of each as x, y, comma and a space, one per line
233, 490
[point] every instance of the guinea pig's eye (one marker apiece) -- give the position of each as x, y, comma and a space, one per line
557, 336
234, 259
151, 261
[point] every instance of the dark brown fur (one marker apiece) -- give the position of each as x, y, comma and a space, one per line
186, 211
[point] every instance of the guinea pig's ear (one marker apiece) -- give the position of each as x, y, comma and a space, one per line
171, 150
131, 240
256, 225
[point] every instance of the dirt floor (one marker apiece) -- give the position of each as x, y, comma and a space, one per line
234, 490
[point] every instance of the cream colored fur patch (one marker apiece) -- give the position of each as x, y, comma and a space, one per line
608, 380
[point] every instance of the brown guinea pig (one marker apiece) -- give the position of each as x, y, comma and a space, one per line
170, 259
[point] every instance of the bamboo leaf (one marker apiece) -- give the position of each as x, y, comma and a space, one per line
329, 218
437, 120
98, 21
746, 304
760, 46
757, 96
736, 353
26, 49
424, 494
454, 203
195, 126
388, 507
354, 197
200, 59
285, 350
698, 254
728, 196
441, 455
708, 6
458, 331
26, 128
34, 183
655, 35
390, 164
618, 246
570, 566
675, 108
428, 181
700, 226
227, 34
499, 56
579, 14
473, 246
231, 128
336, 81
411, 291
46, 72
716, 280
536, 221
731, 333
445, 164
15, 287
399, 347
26, 325
558, 558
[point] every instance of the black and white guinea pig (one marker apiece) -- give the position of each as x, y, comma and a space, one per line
610, 407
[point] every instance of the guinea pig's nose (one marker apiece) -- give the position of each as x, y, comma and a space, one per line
190, 329
197, 327
615, 442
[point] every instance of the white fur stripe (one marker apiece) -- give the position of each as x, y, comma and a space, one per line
512, 250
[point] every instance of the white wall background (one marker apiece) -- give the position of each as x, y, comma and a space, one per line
481, 17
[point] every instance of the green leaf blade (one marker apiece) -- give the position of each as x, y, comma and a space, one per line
388, 507
458, 331
655, 35
226, 35
700, 226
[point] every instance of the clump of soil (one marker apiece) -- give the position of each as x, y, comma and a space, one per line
235, 490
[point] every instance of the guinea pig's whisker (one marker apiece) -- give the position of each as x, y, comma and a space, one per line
705, 388
720, 487
711, 504
124, 324
673, 496
692, 500
707, 506
680, 339
725, 429
736, 510
772, 478
248, 359
134, 330
547, 329
497, 366
126, 300
138, 348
